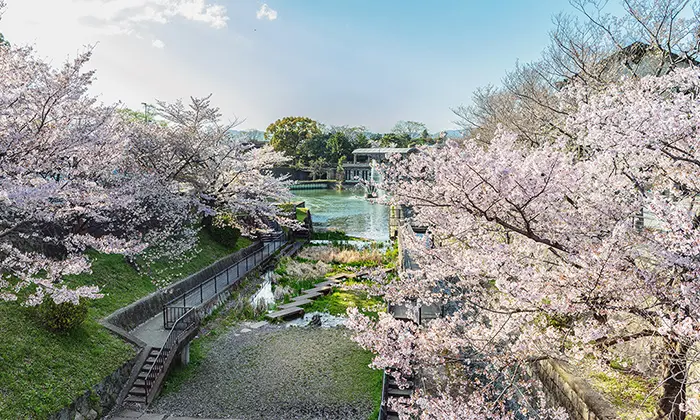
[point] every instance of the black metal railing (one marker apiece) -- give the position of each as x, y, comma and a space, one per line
181, 327
221, 280
173, 313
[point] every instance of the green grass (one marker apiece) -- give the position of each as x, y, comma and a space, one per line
354, 377
338, 302
181, 374
302, 213
41, 372
296, 284
630, 394
331, 235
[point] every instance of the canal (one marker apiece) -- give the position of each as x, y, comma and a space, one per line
347, 210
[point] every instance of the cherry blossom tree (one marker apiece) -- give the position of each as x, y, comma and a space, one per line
539, 251
194, 150
594, 47
64, 183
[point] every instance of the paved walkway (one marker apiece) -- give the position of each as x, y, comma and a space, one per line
133, 415
152, 332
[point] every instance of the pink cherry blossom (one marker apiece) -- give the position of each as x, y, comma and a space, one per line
558, 250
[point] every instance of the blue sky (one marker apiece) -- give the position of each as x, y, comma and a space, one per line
341, 62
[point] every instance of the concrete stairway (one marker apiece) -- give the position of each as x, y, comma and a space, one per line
138, 392
393, 390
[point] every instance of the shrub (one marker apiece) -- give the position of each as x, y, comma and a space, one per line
62, 316
224, 231
306, 270
331, 235
329, 254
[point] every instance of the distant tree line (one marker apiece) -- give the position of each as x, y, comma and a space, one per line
313, 146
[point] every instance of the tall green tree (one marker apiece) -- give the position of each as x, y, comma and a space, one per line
312, 150
396, 140
337, 146
289, 134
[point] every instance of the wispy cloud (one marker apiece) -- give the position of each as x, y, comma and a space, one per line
157, 43
134, 16
265, 12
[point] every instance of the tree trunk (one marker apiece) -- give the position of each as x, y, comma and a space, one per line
675, 379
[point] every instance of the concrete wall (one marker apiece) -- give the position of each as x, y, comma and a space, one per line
293, 173
142, 310
99, 399
572, 393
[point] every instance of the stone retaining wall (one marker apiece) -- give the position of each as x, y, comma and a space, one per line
142, 310
579, 400
99, 399
207, 308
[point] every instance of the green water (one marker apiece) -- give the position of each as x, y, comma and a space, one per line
347, 210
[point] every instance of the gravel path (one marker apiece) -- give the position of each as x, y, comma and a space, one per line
278, 372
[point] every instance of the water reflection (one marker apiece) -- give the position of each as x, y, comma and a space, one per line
264, 295
347, 210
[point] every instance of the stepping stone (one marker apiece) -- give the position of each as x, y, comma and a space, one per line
286, 313
320, 289
310, 295
295, 303
256, 325
325, 283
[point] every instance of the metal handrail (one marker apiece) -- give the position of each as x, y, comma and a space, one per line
170, 344
175, 306
243, 256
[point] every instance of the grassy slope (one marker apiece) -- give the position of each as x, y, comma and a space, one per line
41, 372
633, 396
